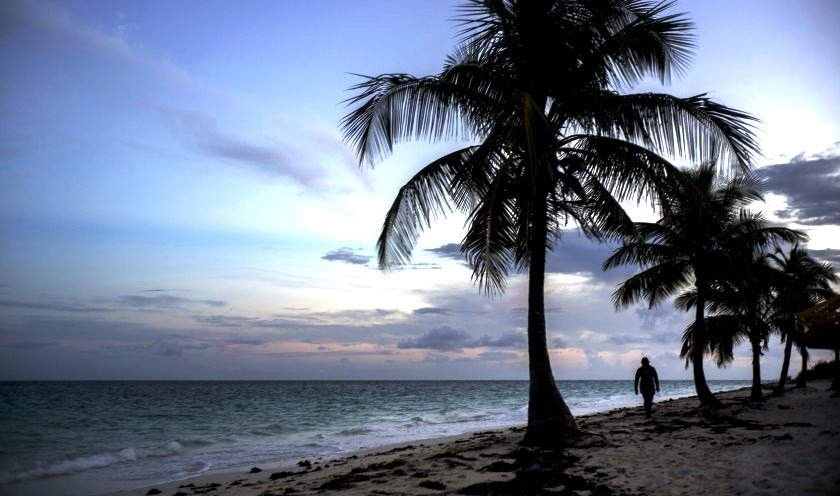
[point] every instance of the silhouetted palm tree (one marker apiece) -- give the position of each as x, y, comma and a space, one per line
703, 228
534, 85
743, 304
807, 282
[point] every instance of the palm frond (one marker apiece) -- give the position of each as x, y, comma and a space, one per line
426, 196
695, 128
491, 237
391, 108
642, 41
654, 285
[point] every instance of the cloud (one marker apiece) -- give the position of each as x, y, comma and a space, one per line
444, 338
56, 307
346, 255
656, 338
574, 253
226, 320
509, 340
200, 130
829, 255
449, 250
172, 347
499, 356
811, 187
26, 345
448, 338
166, 301
430, 311
250, 341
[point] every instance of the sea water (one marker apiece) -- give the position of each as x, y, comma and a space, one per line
86, 438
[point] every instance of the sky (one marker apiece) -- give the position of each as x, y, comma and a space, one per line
177, 202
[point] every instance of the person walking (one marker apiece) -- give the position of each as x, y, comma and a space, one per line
648, 382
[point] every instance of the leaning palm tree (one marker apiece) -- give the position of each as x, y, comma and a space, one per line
694, 246
806, 283
533, 86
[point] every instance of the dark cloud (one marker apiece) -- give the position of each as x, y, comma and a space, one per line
101, 338
509, 340
250, 341
559, 343
444, 338
431, 311
165, 346
166, 301
346, 255
574, 253
811, 187
449, 250
448, 338
26, 345
226, 320
830, 255
56, 307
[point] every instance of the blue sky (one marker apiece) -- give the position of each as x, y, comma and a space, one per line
176, 201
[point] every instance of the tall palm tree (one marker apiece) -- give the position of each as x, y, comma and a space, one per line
807, 282
534, 86
694, 245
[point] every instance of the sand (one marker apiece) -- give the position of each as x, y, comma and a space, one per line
786, 445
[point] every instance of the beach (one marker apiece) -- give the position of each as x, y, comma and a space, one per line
785, 445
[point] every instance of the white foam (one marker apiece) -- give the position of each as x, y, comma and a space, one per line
80, 464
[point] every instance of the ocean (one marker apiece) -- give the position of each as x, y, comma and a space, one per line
87, 438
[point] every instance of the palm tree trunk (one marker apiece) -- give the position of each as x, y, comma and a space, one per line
549, 418
780, 387
704, 394
755, 393
801, 381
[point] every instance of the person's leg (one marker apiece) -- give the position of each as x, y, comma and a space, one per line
648, 403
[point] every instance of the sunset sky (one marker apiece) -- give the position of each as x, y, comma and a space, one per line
176, 201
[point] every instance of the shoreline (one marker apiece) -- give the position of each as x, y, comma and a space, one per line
795, 438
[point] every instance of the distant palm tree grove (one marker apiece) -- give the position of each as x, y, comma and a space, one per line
538, 96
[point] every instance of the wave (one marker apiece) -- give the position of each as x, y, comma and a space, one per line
355, 431
41, 470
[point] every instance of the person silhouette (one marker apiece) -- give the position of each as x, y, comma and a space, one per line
648, 382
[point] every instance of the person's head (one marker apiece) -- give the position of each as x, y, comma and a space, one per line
645, 361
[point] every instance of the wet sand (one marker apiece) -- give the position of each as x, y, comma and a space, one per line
786, 445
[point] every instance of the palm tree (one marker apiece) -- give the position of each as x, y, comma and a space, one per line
806, 283
534, 86
743, 304
702, 230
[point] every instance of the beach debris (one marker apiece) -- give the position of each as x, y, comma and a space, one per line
345, 481
437, 486
255, 470
503, 466
305, 464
